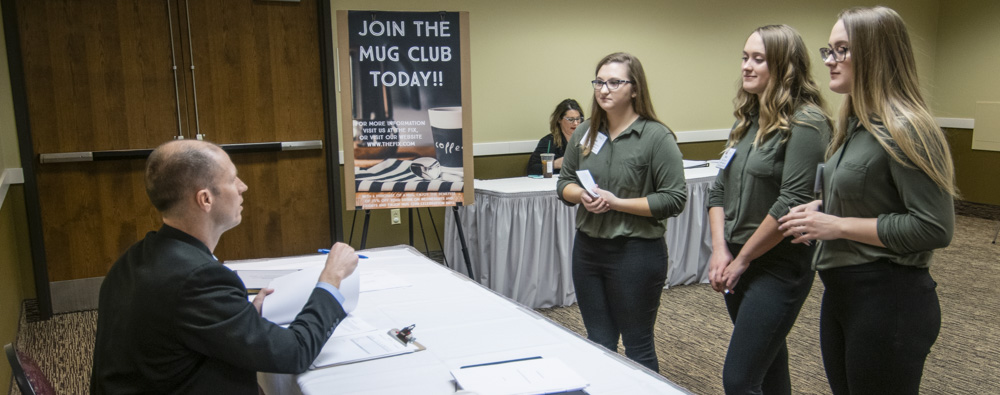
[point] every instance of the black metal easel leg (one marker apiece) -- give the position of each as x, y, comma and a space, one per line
409, 213
350, 239
364, 232
438, 236
423, 233
465, 248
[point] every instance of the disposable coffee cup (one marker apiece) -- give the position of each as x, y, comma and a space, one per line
446, 128
548, 161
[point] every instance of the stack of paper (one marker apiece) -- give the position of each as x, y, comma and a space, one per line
527, 376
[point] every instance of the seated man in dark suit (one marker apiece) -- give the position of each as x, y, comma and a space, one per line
173, 320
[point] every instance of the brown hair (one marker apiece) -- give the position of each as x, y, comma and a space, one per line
557, 115
789, 88
641, 103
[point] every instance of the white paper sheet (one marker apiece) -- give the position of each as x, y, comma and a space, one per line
361, 347
292, 291
532, 376
377, 280
587, 180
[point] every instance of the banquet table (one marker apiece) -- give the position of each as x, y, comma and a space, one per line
460, 323
520, 238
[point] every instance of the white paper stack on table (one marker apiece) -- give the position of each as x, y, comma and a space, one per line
524, 376
293, 280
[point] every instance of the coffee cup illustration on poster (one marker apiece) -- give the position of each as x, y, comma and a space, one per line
406, 102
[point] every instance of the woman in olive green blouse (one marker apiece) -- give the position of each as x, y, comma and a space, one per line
779, 137
619, 254
887, 204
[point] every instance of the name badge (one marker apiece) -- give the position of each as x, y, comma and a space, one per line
726, 157
598, 143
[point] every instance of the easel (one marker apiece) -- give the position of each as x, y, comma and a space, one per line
458, 224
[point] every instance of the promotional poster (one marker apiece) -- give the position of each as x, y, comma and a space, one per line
406, 143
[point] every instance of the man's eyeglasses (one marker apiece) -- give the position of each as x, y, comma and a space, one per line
573, 120
612, 85
839, 53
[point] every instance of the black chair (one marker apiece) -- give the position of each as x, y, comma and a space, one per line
30, 379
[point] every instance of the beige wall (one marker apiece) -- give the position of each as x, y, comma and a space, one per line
527, 55
968, 57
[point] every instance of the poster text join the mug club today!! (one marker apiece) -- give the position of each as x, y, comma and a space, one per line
406, 89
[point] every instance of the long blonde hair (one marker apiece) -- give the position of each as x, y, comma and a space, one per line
789, 88
641, 103
886, 98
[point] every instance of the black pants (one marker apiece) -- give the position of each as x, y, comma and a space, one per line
618, 286
877, 325
763, 306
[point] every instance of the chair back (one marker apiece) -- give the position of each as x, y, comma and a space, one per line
30, 379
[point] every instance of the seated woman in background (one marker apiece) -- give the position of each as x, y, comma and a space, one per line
563, 122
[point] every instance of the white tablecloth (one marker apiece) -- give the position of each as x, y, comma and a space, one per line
520, 238
461, 323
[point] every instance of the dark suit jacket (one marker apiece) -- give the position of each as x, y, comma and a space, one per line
173, 320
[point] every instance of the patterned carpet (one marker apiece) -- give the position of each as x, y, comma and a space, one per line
693, 329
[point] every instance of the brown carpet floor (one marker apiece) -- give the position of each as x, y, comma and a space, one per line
693, 330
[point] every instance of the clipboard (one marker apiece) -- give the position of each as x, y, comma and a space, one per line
362, 347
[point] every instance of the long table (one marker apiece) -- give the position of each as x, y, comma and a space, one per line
520, 238
460, 323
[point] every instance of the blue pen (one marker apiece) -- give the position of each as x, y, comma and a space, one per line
327, 251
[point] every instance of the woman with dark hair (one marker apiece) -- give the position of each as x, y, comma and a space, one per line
563, 121
620, 255
779, 137
887, 203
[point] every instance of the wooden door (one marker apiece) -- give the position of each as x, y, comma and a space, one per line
98, 76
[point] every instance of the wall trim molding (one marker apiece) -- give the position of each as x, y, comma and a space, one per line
956, 123
9, 177
527, 146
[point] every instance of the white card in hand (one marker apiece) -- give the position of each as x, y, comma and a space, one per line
587, 181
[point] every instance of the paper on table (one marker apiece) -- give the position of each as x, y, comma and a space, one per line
376, 280
690, 164
292, 291
352, 325
361, 347
532, 376
587, 180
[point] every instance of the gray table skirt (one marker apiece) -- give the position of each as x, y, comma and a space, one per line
520, 244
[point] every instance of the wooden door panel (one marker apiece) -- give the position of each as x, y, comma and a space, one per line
91, 213
98, 77
98, 74
257, 75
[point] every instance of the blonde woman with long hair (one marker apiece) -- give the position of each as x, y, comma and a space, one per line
619, 254
887, 204
780, 135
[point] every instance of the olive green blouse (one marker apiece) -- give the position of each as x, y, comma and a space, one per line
861, 180
773, 177
643, 161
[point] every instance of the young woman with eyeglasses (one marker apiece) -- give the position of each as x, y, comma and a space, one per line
620, 255
779, 137
564, 120
887, 204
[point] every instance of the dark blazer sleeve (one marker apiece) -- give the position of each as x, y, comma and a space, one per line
214, 318
535, 161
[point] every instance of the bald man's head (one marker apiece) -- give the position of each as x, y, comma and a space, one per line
179, 168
